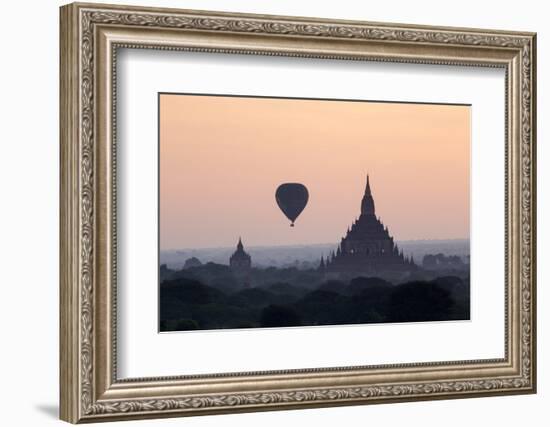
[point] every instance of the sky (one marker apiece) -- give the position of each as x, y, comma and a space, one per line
222, 158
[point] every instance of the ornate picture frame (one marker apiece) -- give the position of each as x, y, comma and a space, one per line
90, 37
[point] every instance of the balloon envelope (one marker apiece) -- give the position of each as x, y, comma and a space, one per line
292, 199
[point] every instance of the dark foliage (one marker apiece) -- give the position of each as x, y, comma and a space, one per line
287, 290
209, 297
279, 315
186, 290
178, 325
252, 297
334, 286
419, 301
360, 284
325, 308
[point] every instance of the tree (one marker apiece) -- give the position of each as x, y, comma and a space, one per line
279, 315
360, 284
419, 301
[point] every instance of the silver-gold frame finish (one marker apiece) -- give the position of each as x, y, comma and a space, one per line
90, 37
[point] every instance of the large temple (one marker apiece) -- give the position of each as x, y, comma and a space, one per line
367, 247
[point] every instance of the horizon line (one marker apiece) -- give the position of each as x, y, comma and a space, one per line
305, 244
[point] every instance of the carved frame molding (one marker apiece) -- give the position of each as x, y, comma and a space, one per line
90, 36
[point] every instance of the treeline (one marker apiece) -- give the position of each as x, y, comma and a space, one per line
221, 276
186, 303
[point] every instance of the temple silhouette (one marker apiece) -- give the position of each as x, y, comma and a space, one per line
241, 263
367, 247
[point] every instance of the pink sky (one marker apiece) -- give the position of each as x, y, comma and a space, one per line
222, 158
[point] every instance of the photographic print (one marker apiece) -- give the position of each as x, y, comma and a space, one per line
293, 212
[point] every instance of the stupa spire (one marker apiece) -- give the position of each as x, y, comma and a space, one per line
367, 189
367, 204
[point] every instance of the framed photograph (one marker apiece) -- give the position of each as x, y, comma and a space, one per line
266, 212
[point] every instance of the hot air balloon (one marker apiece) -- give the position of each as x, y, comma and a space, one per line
292, 199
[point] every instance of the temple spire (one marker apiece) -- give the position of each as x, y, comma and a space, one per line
367, 204
240, 246
367, 189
